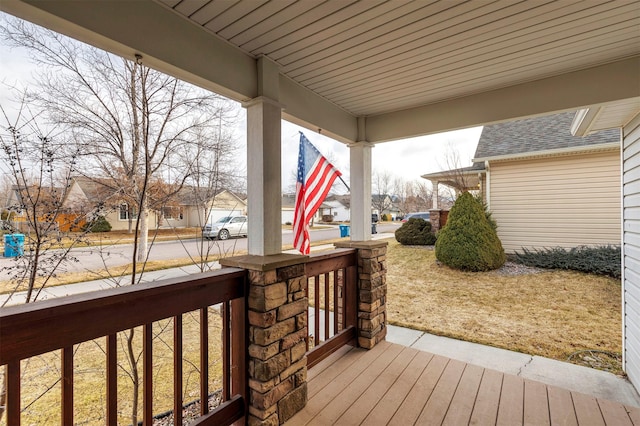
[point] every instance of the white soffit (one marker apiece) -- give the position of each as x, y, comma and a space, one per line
410, 67
373, 57
607, 116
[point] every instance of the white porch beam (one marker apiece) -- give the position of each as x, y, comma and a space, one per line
360, 182
175, 46
264, 186
570, 91
167, 42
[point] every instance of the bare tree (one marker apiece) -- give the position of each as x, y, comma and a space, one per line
383, 185
40, 178
127, 119
454, 171
130, 125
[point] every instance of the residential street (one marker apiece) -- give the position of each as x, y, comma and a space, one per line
93, 259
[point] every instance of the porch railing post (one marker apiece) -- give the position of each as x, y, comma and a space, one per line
371, 291
276, 324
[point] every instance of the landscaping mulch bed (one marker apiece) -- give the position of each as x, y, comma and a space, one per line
190, 412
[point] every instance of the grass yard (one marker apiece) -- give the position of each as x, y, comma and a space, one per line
549, 313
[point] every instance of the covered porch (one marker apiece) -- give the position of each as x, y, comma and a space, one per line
362, 73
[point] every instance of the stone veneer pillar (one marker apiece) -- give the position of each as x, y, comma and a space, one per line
438, 219
372, 290
277, 320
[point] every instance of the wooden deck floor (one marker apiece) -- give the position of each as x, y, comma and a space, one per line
397, 385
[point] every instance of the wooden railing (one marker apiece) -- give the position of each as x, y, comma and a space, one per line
30, 330
332, 291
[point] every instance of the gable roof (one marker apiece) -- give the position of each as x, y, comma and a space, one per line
546, 133
96, 189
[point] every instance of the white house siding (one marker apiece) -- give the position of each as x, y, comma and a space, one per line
631, 249
563, 201
287, 215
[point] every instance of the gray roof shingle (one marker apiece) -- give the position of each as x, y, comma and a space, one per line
536, 134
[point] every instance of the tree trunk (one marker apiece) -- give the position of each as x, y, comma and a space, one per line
143, 238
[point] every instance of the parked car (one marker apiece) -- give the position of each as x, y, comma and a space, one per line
420, 215
225, 227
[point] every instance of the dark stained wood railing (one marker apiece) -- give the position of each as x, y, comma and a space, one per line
332, 291
58, 324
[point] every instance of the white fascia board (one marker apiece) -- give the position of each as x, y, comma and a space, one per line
552, 152
583, 120
448, 173
305, 108
566, 92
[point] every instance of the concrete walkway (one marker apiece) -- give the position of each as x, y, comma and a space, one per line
549, 371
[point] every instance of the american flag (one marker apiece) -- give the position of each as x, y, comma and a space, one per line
315, 177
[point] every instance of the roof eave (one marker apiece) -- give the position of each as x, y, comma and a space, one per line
583, 121
552, 152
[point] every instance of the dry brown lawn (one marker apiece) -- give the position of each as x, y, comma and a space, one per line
550, 313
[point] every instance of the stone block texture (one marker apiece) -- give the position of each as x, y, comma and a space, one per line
277, 348
372, 295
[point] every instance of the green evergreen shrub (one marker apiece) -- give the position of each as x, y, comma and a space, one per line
599, 260
468, 242
100, 224
386, 217
487, 213
415, 232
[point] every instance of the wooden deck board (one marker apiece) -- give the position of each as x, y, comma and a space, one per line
536, 404
587, 409
485, 410
561, 409
413, 404
614, 413
461, 407
510, 409
634, 415
437, 405
348, 371
348, 394
357, 412
395, 385
388, 405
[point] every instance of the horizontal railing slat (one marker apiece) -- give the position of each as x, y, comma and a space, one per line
225, 414
319, 264
36, 328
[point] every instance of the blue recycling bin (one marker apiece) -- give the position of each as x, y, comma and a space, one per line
13, 245
344, 231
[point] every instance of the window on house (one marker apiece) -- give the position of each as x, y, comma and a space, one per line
172, 213
124, 212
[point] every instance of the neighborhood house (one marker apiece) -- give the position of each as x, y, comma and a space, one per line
544, 186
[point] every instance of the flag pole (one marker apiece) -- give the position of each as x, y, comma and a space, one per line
345, 183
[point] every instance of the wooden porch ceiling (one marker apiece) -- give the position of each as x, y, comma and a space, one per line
408, 67
397, 385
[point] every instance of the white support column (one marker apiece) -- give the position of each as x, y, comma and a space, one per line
360, 180
434, 195
264, 186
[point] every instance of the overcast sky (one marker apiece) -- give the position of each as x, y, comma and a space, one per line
407, 159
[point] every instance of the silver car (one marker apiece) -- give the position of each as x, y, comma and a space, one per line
225, 227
